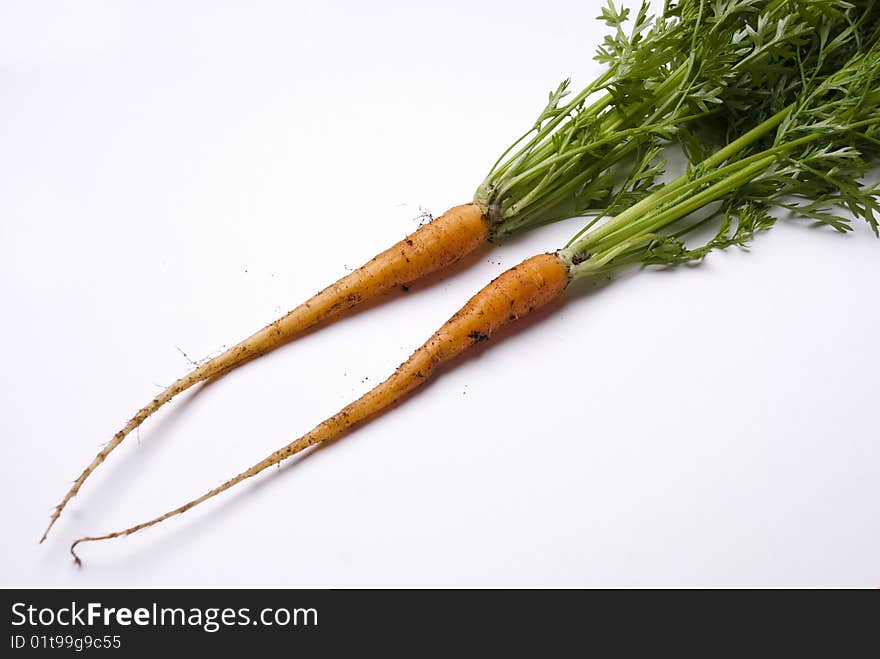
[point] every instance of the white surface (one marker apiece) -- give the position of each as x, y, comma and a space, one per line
175, 176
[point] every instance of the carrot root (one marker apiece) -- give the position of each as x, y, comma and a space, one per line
432, 247
514, 294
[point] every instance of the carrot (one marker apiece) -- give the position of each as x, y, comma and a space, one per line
432, 247
514, 294
590, 152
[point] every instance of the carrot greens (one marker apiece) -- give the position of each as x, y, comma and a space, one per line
727, 60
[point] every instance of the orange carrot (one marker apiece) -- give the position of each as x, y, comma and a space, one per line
432, 247
514, 294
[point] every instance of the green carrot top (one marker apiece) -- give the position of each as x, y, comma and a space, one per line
725, 62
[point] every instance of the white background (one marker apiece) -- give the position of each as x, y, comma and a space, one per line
176, 176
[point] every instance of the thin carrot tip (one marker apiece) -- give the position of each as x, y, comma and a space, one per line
48, 528
76, 559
